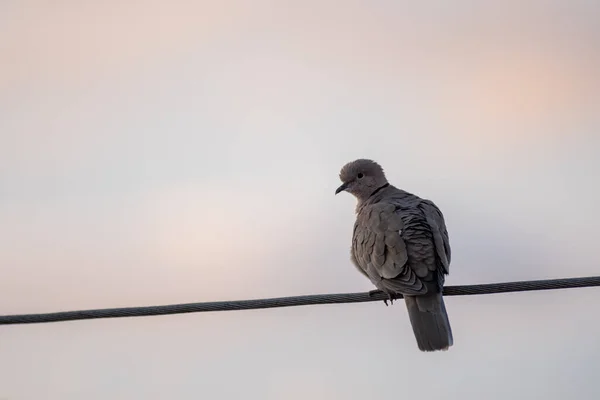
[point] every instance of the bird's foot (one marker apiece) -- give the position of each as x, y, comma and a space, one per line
391, 298
385, 301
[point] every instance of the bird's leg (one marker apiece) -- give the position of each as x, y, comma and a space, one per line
394, 296
377, 291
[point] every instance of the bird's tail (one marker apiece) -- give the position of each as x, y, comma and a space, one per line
429, 321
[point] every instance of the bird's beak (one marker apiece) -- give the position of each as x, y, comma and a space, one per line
342, 188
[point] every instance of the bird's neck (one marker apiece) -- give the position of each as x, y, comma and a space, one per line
379, 189
367, 199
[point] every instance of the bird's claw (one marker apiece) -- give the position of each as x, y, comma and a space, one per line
385, 301
391, 298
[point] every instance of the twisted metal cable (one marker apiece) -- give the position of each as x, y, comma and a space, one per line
462, 290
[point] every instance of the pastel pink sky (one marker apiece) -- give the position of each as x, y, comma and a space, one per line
162, 152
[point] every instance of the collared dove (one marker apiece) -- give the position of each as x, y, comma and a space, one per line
401, 244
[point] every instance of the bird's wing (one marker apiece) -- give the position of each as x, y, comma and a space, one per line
380, 249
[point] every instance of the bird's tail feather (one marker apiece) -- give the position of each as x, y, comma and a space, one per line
429, 321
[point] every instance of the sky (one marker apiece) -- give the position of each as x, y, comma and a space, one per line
157, 152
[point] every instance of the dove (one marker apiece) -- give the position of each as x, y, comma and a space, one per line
400, 242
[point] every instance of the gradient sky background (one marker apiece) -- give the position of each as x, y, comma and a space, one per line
156, 152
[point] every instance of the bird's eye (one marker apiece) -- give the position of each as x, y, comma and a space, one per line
360, 175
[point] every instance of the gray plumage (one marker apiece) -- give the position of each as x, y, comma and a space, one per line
400, 242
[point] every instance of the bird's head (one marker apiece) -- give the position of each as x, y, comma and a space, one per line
361, 178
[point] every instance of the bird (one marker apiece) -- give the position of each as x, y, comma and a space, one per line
400, 242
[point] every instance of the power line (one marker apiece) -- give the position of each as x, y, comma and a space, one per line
463, 290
